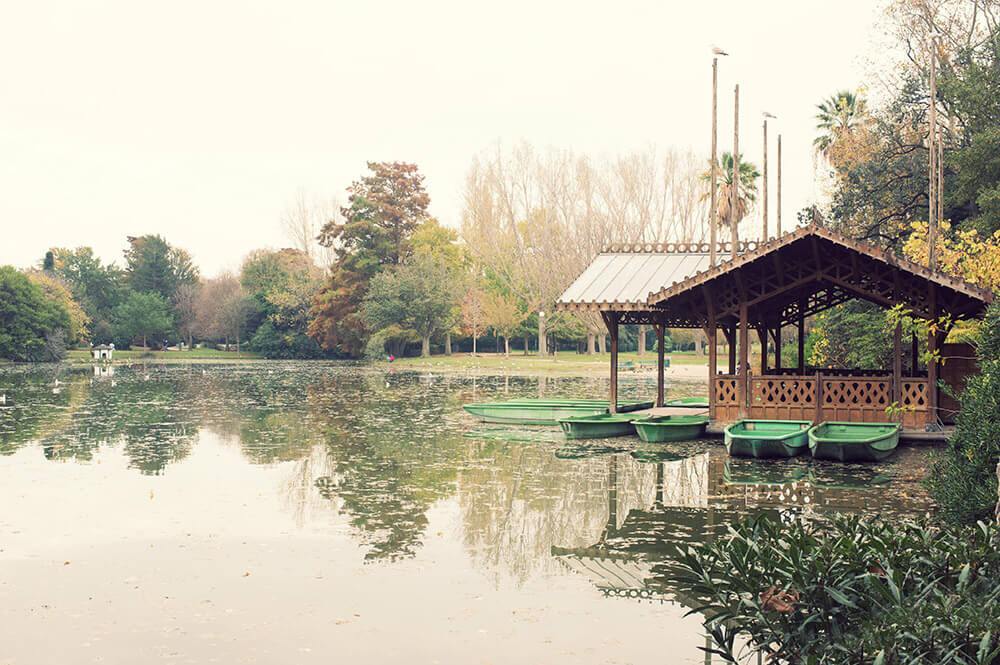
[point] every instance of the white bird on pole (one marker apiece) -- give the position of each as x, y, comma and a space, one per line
718, 51
770, 115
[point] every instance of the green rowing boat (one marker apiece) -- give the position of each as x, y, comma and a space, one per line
657, 429
854, 442
767, 438
598, 427
688, 402
544, 412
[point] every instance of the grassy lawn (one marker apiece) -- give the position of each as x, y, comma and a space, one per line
81, 355
564, 362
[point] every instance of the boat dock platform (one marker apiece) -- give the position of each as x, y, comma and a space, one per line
909, 436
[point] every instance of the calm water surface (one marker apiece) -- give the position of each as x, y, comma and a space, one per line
329, 512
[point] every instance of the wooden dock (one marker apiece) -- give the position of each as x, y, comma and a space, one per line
908, 436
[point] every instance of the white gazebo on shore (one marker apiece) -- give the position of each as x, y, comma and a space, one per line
102, 351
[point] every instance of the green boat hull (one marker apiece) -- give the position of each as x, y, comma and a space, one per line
853, 442
767, 438
544, 412
597, 427
688, 402
670, 428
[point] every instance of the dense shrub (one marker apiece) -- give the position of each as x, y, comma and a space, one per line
849, 591
32, 326
963, 480
272, 343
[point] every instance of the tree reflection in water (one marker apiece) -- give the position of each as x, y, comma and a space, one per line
383, 449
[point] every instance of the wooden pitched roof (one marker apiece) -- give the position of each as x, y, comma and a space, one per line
811, 269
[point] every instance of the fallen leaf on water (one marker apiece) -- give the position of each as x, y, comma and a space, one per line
150, 494
65, 563
246, 574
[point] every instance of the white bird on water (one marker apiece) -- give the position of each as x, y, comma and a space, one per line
3, 398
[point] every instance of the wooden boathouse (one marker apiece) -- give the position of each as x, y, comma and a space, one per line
766, 287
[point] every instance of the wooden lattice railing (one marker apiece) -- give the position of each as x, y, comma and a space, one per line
727, 403
856, 400
820, 397
783, 397
914, 402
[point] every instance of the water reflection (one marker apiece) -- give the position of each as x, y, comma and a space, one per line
393, 462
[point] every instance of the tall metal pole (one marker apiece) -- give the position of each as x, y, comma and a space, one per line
735, 190
779, 185
932, 207
763, 235
940, 175
713, 167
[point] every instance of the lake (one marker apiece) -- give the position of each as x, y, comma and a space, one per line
312, 512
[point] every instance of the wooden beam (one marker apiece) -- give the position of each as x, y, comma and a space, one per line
802, 334
713, 344
743, 382
762, 336
932, 365
897, 365
660, 332
731, 343
770, 295
611, 322
777, 347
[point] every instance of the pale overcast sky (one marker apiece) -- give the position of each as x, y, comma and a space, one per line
202, 120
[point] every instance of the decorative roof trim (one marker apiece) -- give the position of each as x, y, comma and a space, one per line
676, 247
761, 250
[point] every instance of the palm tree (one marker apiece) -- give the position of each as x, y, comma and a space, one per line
724, 196
839, 115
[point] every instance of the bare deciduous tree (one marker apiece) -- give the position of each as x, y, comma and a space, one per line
538, 219
302, 221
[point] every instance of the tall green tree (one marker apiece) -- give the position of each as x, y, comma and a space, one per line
98, 287
143, 315
729, 215
282, 284
837, 117
418, 295
384, 208
28, 319
154, 266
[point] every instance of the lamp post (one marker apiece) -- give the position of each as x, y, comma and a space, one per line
779, 186
735, 191
933, 166
763, 235
713, 166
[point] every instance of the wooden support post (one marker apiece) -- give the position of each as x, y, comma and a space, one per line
897, 365
819, 399
611, 321
731, 342
744, 368
914, 356
802, 339
777, 347
762, 336
660, 331
713, 361
932, 364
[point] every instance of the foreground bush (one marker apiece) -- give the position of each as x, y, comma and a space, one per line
849, 591
963, 481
